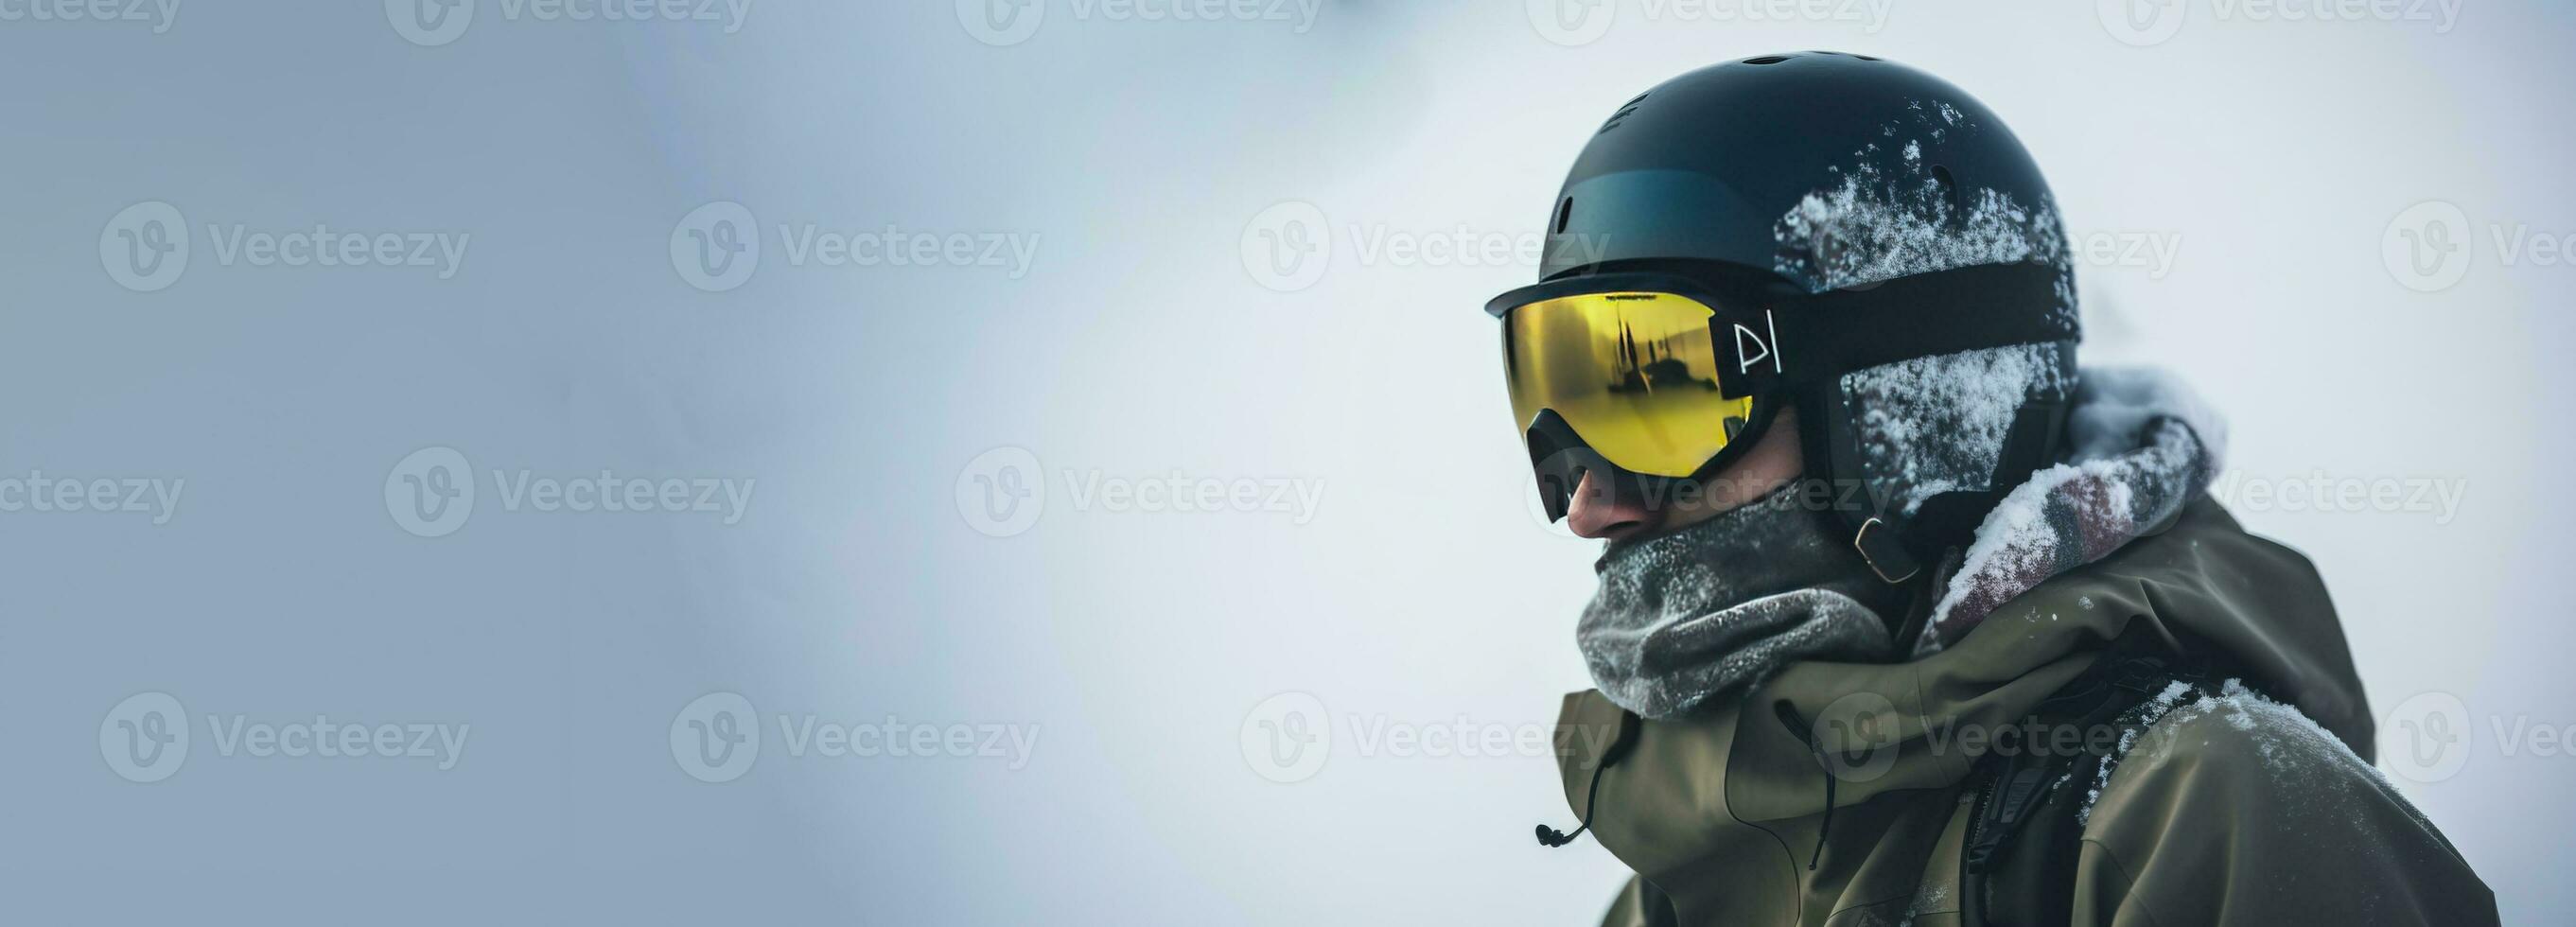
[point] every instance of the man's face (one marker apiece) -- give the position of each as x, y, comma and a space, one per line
1773, 461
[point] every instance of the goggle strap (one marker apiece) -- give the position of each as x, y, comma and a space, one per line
1814, 339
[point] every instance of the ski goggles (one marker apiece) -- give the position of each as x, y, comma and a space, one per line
1644, 377
1633, 372
1626, 376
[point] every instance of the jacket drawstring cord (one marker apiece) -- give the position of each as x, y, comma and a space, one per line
1551, 837
1798, 726
1827, 828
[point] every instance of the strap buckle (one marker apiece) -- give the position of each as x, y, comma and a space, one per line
1885, 556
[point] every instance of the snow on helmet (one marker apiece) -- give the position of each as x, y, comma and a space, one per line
1836, 233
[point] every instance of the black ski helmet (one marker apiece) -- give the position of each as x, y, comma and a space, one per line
1891, 219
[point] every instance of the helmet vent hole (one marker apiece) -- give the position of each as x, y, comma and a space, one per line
1564, 213
1866, 57
1766, 59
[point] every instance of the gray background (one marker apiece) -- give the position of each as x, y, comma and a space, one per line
1139, 646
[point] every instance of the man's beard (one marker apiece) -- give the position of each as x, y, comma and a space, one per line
1715, 607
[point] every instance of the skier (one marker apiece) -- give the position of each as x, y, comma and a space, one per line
1903, 618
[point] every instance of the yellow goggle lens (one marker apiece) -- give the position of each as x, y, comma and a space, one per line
1635, 374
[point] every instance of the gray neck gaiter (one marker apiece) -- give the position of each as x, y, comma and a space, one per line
1716, 606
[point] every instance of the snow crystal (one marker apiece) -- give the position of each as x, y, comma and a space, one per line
2084, 602
1875, 227
2150, 712
2173, 692
1927, 900
1869, 230
2306, 762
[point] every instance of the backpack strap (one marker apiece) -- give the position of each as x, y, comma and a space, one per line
2023, 835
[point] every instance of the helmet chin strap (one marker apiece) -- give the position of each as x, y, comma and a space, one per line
1897, 544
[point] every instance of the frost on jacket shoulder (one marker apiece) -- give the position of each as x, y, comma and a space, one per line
2236, 809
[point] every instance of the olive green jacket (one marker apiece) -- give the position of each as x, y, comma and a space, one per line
2229, 809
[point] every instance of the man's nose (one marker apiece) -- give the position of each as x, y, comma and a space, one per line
1594, 512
